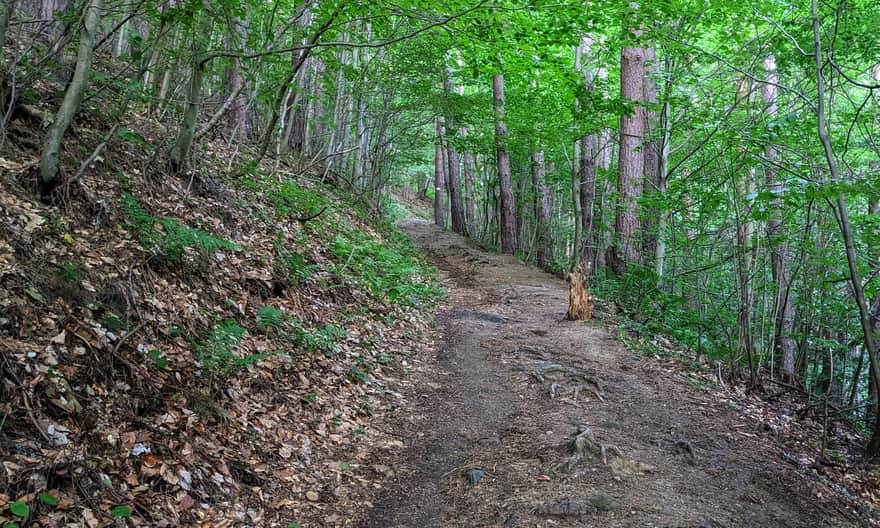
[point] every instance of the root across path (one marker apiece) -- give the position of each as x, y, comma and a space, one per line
522, 418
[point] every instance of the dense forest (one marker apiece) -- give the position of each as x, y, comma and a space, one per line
711, 169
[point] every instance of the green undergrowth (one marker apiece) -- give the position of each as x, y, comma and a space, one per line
648, 310
168, 237
365, 246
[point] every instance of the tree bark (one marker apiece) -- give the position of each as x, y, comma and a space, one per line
456, 212
543, 217
50, 156
651, 148
180, 151
508, 204
785, 343
282, 93
439, 176
632, 160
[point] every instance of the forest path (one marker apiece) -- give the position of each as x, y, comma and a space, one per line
512, 383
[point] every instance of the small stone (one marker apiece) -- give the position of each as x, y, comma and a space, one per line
565, 507
312, 496
603, 503
475, 475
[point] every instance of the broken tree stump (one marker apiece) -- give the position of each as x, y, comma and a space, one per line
580, 307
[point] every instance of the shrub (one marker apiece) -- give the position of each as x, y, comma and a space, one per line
291, 199
295, 266
168, 237
391, 270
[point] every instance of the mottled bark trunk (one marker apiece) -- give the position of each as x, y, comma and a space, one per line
439, 176
587, 155
542, 211
456, 211
50, 156
469, 206
785, 343
651, 151
631, 162
605, 201
508, 204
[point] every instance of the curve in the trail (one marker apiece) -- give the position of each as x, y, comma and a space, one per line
513, 388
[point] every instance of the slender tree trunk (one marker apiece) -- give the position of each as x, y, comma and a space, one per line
605, 201
282, 93
236, 86
523, 207
456, 211
543, 218
785, 343
439, 176
843, 218
508, 204
632, 159
469, 206
7, 7
50, 156
181, 149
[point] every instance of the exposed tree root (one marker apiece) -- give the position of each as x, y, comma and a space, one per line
584, 446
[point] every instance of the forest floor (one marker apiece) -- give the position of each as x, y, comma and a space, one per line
520, 418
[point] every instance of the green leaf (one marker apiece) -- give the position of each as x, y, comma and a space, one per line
20, 509
11, 525
47, 499
121, 511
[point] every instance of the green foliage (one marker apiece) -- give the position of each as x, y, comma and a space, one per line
48, 499
295, 266
390, 269
159, 363
217, 351
168, 237
69, 272
20, 509
292, 199
269, 317
322, 340
122, 512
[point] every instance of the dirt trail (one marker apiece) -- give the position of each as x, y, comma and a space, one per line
512, 384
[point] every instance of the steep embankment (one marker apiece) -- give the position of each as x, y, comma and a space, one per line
524, 419
216, 349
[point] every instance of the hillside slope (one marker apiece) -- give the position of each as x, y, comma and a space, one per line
207, 350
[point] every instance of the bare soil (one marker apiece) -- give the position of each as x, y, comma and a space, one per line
523, 419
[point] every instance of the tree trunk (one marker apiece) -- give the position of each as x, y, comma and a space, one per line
785, 343
454, 170
508, 204
439, 176
7, 7
580, 307
651, 148
632, 160
50, 156
542, 211
181, 149
236, 86
845, 227
523, 183
282, 92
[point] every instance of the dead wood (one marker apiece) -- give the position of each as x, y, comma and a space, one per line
580, 307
